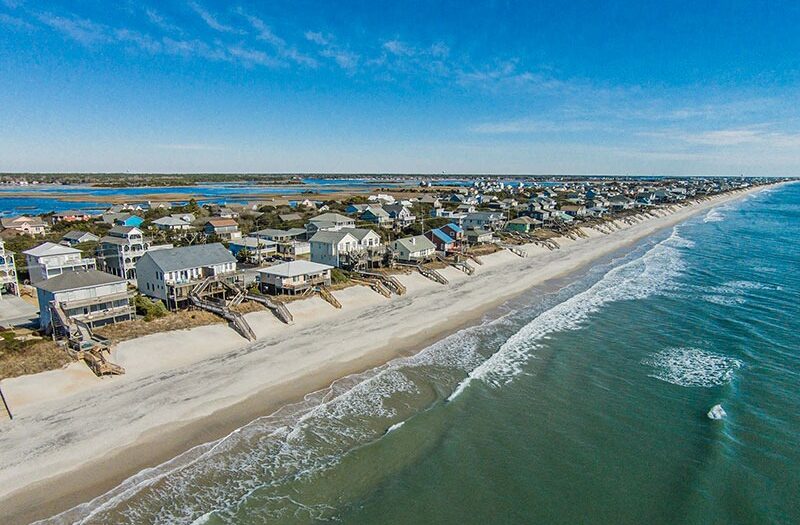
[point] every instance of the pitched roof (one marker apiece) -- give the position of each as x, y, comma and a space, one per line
14, 222
453, 226
416, 243
484, 215
123, 230
222, 223
170, 221
332, 237
376, 211
442, 236
50, 248
77, 280
252, 242
524, 220
295, 268
272, 232
360, 233
331, 217
195, 256
395, 208
109, 239
75, 235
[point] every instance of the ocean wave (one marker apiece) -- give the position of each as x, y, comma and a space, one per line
296, 443
692, 367
652, 273
741, 287
723, 300
715, 215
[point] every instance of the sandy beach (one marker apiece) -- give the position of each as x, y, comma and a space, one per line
74, 436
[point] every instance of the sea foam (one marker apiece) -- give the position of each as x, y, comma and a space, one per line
652, 273
692, 367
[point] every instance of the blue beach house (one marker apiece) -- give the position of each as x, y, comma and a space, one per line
129, 220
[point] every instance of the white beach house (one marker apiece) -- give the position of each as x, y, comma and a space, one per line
49, 259
293, 277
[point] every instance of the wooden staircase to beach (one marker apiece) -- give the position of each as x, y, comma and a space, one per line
328, 296
459, 265
515, 250
235, 319
374, 285
278, 309
390, 282
84, 344
432, 274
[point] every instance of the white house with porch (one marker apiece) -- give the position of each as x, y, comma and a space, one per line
413, 249
293, 277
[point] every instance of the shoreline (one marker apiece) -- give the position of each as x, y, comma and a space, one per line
201, 419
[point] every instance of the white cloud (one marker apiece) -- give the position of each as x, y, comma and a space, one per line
13, 21
284, 50
211, 20
81, 30
344, 58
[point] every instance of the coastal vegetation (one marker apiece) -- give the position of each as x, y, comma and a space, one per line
25, 353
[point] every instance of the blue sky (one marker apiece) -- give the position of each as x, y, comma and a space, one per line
368, 86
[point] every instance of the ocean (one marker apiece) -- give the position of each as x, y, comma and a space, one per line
582, 401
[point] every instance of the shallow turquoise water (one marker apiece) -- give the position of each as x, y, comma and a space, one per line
582, 402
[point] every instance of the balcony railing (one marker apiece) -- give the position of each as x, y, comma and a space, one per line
305, 284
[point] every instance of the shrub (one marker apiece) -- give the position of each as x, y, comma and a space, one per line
148, 308
339, 276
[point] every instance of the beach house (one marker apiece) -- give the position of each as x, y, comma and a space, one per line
621, 202
118, 252
90, 296
49, 259
454, 231
478, 236
171, 274
329, 247
127, 219
279, 236
253, 250
293, 277
8, 272
483, 220
24, 225
414, 249
574, 210
170, 223
400, 214
329, 222
376, 215
444, 243
289, 242
225, 229
522, 224
71, 216
73, 237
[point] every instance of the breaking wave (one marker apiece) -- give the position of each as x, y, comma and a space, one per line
653, 273
715, 215
210, 482
691, 367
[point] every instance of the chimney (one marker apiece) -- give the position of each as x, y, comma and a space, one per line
413, 240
